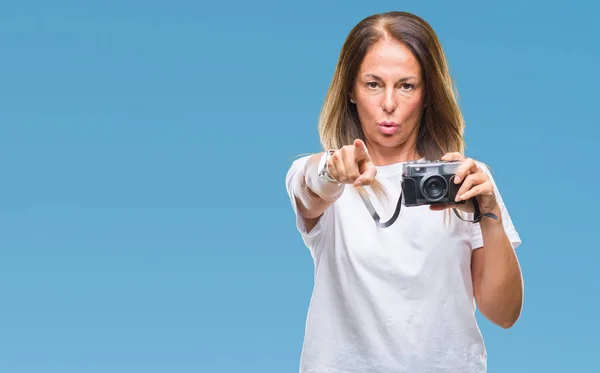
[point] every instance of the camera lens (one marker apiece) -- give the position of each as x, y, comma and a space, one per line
433, 187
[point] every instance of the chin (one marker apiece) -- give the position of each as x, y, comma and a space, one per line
390, 141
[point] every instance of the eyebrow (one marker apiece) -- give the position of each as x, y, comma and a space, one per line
401, 80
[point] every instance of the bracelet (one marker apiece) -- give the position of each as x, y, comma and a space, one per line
323, 170
321, 183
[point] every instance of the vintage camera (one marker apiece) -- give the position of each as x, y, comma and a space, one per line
429, 182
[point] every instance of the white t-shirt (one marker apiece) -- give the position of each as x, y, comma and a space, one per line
395, 299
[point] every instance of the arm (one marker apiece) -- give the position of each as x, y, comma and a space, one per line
495, 270
350, 165
310, 205
497, 279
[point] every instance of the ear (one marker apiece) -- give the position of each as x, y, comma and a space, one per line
351, 98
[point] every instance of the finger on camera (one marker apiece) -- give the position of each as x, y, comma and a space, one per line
473, 192
467, 167
470, 181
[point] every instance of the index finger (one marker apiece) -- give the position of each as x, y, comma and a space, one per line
360, 150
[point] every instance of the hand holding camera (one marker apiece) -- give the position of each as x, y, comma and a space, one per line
465, 181
447, 183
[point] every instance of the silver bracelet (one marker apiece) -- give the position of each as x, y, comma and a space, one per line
323, 170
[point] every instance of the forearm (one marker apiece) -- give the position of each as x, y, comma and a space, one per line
315, 195
501, 286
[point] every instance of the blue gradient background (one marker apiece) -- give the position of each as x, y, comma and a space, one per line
144, 223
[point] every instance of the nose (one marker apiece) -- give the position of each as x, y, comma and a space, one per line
389, 101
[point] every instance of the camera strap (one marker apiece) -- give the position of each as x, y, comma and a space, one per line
477, 215
367, 201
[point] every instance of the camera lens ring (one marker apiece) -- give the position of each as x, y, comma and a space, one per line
433, 187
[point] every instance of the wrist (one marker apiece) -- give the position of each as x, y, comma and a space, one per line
323, 167
487, 221
325, 187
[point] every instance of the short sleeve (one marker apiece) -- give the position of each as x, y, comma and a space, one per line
294, 182
511, 232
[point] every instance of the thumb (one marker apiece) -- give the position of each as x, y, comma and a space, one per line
360, 151
367, 176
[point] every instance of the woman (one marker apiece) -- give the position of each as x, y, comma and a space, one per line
401, 298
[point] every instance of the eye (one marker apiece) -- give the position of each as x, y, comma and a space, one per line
406, 86
372, 85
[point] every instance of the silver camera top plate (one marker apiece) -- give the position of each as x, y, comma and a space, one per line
419, 168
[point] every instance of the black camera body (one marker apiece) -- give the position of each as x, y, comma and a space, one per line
429, 183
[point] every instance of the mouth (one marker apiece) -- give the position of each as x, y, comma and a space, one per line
388, 128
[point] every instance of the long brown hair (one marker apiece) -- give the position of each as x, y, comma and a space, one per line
442, 125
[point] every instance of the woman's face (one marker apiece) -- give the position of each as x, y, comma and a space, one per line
388, 93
